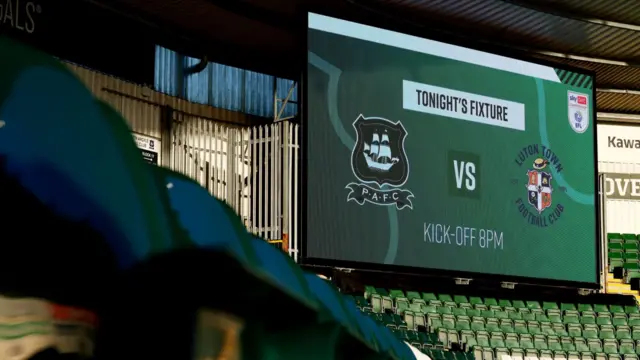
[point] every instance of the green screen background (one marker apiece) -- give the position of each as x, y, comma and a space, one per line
348, 77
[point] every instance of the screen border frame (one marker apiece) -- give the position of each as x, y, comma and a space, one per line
435, 35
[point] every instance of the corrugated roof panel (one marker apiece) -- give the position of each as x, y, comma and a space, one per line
197, 85
525, 27
165, 61
615, 102
624, 11
258, 91
222, 86
607, 75
226, 89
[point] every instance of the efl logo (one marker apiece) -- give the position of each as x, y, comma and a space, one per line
578, 106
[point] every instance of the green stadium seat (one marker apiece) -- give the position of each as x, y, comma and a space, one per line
619, 319
459, 311
402, 304
502, 303
518, 304
627, 347
610, 346
615, 254
520, 327
602, 319
542, 318
487, 313
526, 341
445, 298
567, 344
429, 297
533, 305
547, 329
513, 315
630, 254
581, 345
631, 264
614, 236
631, 274
631, 309
460, 299
492, 324
506, 326
475, 300
591, 332
554, 343
477, 325
534, 327
369, 290
445, 310
560, 330
473, 312
571, 319
623, 333
574, 330
595, 345
607, 332
463, 323
413, 295
528, 316
540, 342
615, 245
587, 318
554, 316
615, 263
565, 307
546, 305
585, 307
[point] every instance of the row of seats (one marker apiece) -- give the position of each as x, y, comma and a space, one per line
482, 353
490, 327
394, 298
552, 316
538, 342
624, 252
607, 331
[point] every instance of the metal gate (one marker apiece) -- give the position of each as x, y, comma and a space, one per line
254, 170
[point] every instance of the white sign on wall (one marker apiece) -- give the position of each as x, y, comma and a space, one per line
150, 148
619, 143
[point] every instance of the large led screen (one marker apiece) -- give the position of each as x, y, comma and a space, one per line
425, 154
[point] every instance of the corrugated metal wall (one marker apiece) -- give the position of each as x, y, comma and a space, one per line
253, 169
132, 101
222, 86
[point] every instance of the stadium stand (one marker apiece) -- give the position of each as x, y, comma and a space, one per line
488, 328
623, 254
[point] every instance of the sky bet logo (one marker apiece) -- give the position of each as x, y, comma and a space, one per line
579, 99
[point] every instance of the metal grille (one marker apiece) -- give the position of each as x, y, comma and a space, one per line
255, 170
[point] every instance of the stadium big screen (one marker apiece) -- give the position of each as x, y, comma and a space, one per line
425, 154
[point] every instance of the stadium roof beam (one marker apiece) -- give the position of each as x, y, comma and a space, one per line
618, 118
583, 58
